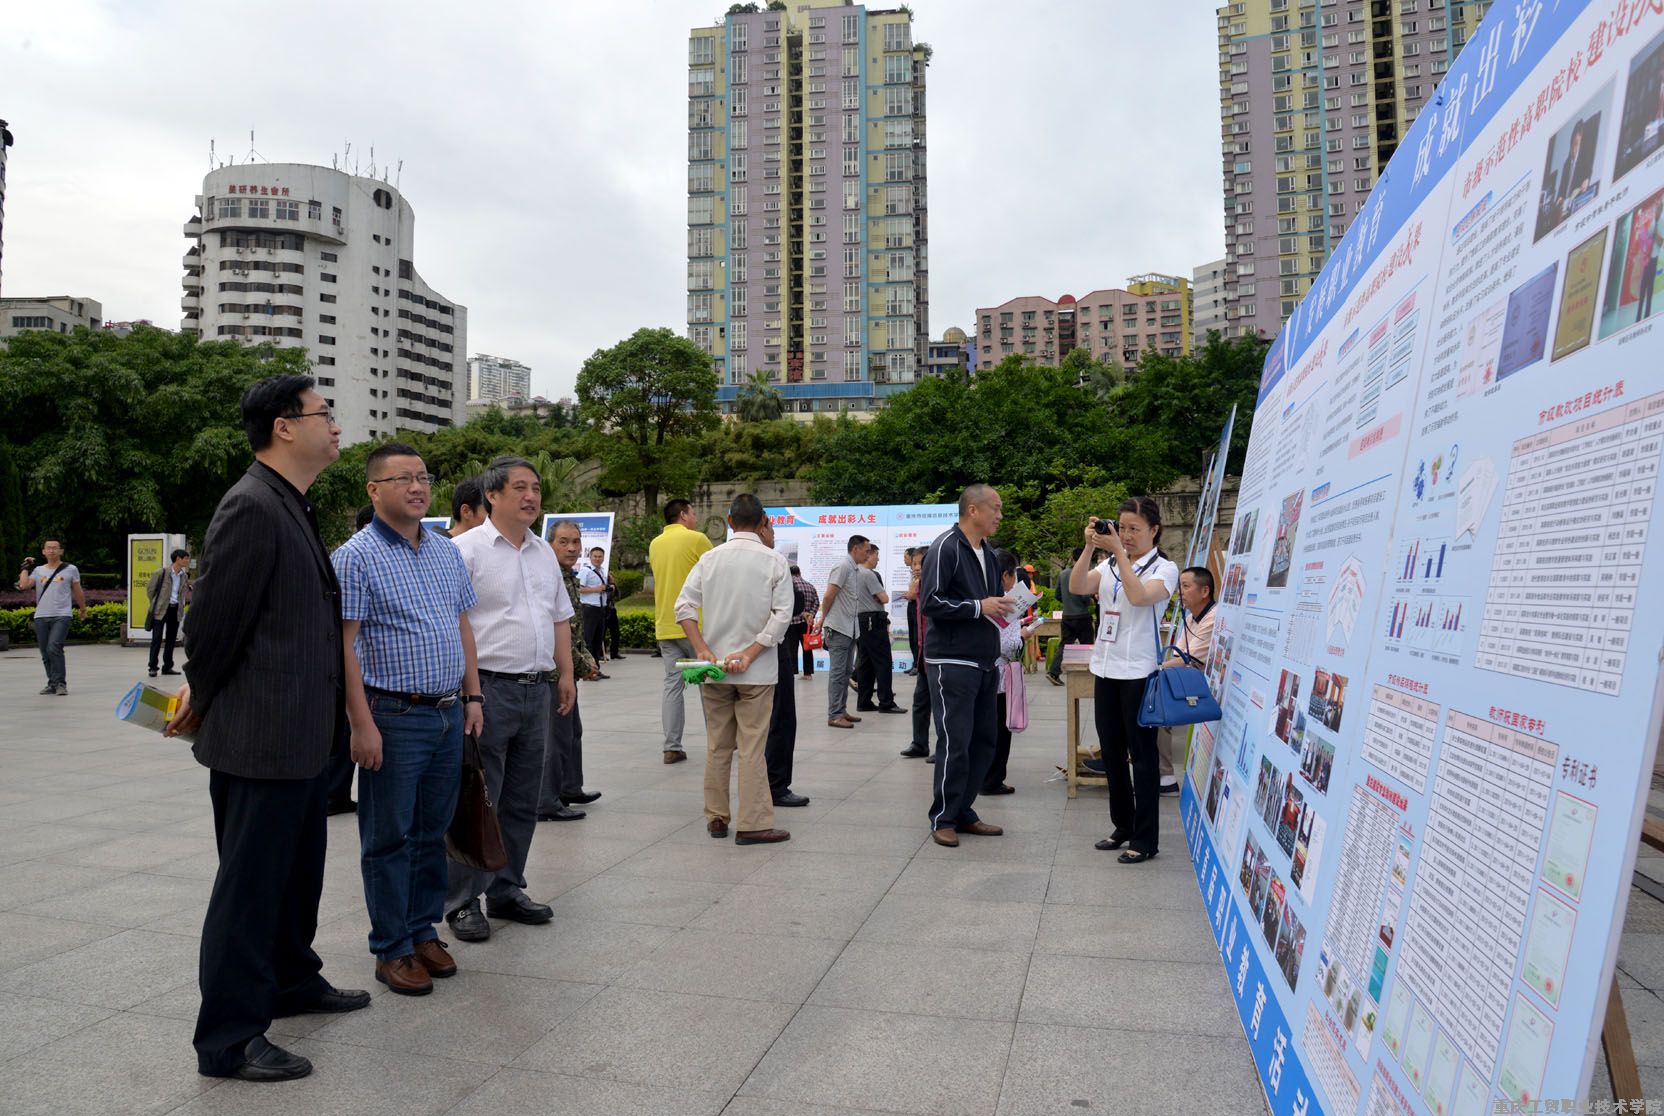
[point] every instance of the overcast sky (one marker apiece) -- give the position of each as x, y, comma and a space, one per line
1071, 145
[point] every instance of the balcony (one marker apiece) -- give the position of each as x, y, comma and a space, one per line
191, 303
193, 227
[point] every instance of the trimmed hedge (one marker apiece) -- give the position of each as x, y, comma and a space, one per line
635, 627
105, 623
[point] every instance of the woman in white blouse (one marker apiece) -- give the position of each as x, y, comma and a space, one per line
1133, 586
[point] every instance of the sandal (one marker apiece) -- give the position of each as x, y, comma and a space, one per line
1135, 857
1109, 843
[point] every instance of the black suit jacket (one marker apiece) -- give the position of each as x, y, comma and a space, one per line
264, 631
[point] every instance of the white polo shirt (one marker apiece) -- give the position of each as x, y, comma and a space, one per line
522, 596
1136, 649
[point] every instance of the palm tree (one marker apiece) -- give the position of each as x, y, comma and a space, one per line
759, 400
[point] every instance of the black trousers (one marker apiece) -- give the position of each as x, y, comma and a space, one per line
257, 960
1002, 748
594, 628
1073, 629
165, 628
873, 670
613, 632
563, 757
782, 725
1135, 801
341, 768
923, 688
963, 703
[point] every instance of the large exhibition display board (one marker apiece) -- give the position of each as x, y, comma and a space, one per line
816, 539
1438, 648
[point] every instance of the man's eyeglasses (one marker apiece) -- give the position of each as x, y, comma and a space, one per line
408, 480
327, 414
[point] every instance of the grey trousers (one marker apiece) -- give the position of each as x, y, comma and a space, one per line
673, 714
840, 649
563, 757
511, 750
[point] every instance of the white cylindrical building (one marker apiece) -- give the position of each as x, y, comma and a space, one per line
310, 257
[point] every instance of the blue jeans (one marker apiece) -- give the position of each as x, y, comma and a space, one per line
403, 812
50, 633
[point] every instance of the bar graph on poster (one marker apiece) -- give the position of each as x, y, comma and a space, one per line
1441, 688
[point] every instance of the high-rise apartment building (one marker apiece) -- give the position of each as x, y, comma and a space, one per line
1314, 97
5, 142
495, 379
1117, 326
54, 314
315, 258
807, 226
1207, 289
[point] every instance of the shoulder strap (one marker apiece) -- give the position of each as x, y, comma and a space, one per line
47, 584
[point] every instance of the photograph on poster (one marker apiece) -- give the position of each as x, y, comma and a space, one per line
1317, 762
1288, 822
1291, 944
1219, 660
1571, 174
1236, 581
1641, 128
1268, 794
1282, 551
1252, 858
1300, 862
1328, 700
1525, 329
1632, 277
1271, 917
1575, 324
1216, 783
1288, 698
1242, 533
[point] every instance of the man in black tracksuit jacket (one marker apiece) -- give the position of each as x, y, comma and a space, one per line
959, 594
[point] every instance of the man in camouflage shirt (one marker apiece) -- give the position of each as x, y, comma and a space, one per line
563, 757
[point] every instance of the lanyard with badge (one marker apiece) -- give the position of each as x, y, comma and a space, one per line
1110, 626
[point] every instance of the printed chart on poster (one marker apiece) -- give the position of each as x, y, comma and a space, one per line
815, 539
1440, 689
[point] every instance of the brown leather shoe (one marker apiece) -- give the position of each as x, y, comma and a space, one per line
851, 717
982, 829
717, 828
435, 958
405, 975
760, 836
947, 836
840, 722
674, 757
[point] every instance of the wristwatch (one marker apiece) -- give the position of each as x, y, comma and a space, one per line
473, 699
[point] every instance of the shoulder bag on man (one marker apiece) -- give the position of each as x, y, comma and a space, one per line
1177, 695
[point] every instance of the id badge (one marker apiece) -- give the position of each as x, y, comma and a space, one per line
1111, 626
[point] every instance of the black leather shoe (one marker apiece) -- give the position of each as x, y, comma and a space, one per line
521, 909
931, 758
869, 707
913, 751
583, 799
332, 1001
791, 799
264, 1062
171, 671
468, 924
1169, 788
153, 672
342, 806
891, 708
565, 813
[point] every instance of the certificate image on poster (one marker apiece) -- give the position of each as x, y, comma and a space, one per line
1571, 169
1641, 128
1632, 276
1481, 341
1525, 329
1570, 835
1282, 551
1576, 323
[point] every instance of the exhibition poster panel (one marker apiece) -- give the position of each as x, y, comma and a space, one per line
1437, 644
145, 555
595, 528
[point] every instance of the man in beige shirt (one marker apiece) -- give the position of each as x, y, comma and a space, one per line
745, 591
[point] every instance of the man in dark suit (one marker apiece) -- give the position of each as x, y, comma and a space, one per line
264, 696
168, 592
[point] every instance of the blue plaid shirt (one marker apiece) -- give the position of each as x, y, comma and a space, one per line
407, 601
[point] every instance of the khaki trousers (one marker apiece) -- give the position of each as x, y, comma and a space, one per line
736, 720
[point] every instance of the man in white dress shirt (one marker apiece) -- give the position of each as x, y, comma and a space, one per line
745, 591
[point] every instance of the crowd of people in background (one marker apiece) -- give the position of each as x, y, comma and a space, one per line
409, 648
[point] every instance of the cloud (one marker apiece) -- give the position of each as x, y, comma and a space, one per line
543, 148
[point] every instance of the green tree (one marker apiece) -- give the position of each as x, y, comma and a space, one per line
116, 435
12, 541
1046, 534
1098, 377
1187, 399
648, 398
758, 400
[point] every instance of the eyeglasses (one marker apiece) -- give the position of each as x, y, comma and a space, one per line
408, 480
327, 414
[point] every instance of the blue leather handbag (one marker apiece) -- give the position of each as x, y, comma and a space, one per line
1178, 695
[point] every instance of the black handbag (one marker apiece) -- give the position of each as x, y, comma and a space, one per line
474, 837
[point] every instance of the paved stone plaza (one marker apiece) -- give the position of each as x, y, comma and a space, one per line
857, 968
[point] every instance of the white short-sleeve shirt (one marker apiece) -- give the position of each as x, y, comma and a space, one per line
1136, 649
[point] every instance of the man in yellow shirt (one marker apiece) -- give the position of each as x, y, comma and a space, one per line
672, 555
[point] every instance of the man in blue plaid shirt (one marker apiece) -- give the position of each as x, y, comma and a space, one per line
413, 690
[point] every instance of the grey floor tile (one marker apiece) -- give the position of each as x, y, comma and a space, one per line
118, 971
1021, 843
635, 899
969, 923
28, 1023
604, 823
969, 879
125, 1065
1123, 885
806, 912
738, 966
34, 840
133, 852
763, 1106
1129, 995
1128, 1073
581, 950
29, 938
925, 979
1150, 933
553, 1094
474, 1016
795, 867
137, 899
854, 840
902, 1063
714, 861
578, 853
1642, 957
627, 1034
